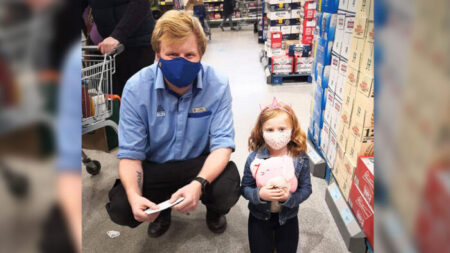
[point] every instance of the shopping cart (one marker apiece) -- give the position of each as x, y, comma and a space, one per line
96, 95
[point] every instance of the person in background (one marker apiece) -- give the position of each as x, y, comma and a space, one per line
176, 134
128, 22
276, 180
228, 8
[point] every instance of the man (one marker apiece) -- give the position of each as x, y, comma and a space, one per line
176, 134
128, 22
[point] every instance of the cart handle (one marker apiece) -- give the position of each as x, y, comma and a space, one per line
119, 49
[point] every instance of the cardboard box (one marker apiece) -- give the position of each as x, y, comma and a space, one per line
360, 29
362, 122
333, 79
328, 26
365, 85
336, 114
338, 41
364, 178
352, 6
329, 106
303, 65
286, 29
363, 8
342, 135
349, 168
347, 225
347, 104
370, 32
367, 63
330, 6
274, 28
276, 39
309, 13
282, 64
356, 148
363, 212
307, 31
295, 13
335, 62
331, 152
276, 52
355, 53
352, 76
277, 2
309, 23
338, 168
317, 165
345, 46
325, 138
340, 85
343, 4
296, 29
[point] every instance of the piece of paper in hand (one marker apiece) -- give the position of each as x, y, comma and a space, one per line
164, 205
113, 234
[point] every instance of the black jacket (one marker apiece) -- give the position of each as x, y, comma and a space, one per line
129, 21
228, 6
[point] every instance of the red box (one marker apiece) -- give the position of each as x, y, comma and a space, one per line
282, 64
362, 211
309, 10
364, 178
308, 31
307, 39
433, 221
276, 39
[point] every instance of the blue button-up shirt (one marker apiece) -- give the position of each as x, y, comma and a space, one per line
158, 126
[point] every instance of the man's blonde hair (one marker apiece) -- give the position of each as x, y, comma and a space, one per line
176, 26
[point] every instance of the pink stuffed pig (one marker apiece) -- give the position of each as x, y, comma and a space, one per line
275, 171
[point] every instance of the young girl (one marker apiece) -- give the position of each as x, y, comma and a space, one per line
276, 180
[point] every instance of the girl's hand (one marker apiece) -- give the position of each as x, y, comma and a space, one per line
285, 195
268, 193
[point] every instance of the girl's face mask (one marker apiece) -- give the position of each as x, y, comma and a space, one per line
277, 139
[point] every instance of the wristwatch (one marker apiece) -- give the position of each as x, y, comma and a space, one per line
203, 182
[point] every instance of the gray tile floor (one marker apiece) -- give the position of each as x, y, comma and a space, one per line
236, 54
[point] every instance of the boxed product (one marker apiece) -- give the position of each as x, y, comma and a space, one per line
303, 65
295, 13
330, 6
333, 79
308, 12
340, 85
370, 32
278, 7
275, 52
355, 53
331, 152
276, 40
335, 114
295, 29
348, 31
335, 62
360, 28
356, 148
363, 8
325, 138
364, 178
347, 104
328, 26
362, 211
289, 45
285, 30
328, 107
343, 4
342, 135
362, 122
319, 97
365, 85
367, 63
338, 169
324, 51
274, 28
352, 76
347, 225
282, 64
352, 6
307, 39
338, 41
277, 2
307, 31
347, 179
316, 131
309, 23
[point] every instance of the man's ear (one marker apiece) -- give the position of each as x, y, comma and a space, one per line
157, 57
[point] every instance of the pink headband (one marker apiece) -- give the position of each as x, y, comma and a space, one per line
274, 106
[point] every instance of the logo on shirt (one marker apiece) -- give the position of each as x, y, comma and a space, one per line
198, 109
160, 112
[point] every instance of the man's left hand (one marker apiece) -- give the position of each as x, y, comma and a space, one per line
191, 194
108, 45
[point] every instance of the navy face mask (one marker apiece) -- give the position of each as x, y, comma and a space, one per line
179, 71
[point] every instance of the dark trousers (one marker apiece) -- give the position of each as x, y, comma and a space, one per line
130, 61
265, 236
162, 180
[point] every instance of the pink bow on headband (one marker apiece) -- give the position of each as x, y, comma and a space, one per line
274, 106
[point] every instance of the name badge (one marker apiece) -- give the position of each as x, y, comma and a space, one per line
198, 109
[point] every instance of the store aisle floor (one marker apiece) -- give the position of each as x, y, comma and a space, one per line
237, 55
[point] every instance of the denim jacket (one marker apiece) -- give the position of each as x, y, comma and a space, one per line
289, 209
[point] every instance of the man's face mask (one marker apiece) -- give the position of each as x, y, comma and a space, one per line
179, 71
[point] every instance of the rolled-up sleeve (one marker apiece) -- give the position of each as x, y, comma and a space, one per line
222, 129
133, 133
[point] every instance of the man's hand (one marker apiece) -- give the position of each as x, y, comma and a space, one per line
138, 205
108, 45
191, 194
268, 193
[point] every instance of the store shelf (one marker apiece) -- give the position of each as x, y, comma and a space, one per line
218, 20
213, 1
216, 9
165, 3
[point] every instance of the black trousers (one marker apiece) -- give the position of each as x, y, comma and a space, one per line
130, 61
265, 236
162, 180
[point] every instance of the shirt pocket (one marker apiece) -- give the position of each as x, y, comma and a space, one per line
199, 114
197, 130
